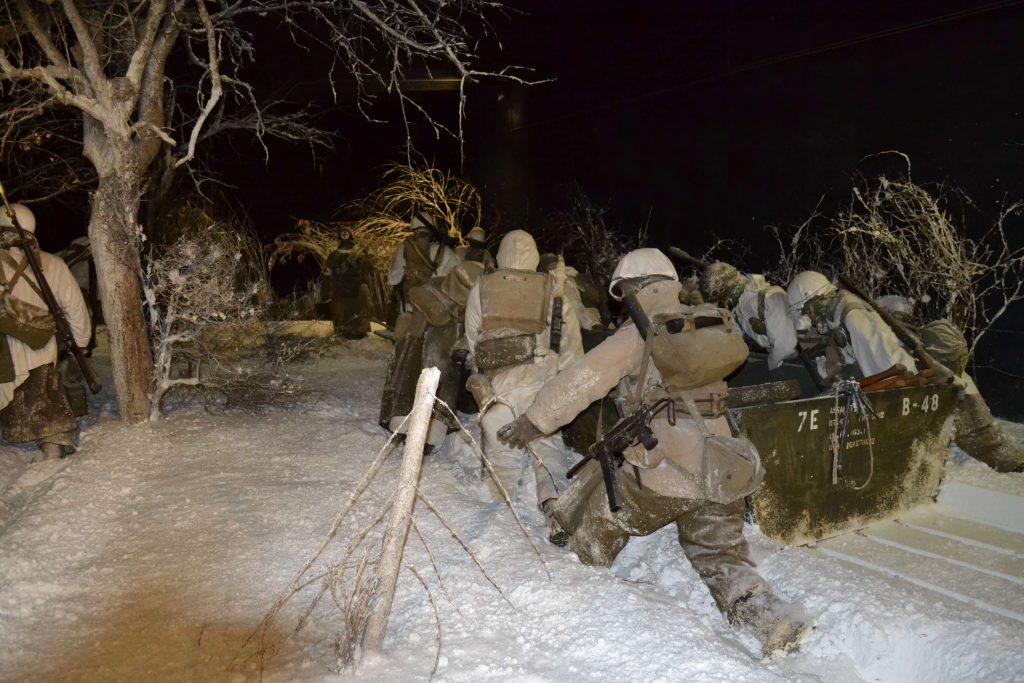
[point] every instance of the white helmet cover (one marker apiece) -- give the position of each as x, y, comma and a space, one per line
805, 286
25, 217
640, 263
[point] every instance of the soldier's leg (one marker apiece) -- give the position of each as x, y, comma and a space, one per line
598, 534
505, 462
598, 539
50, 450
711, 535
547, 459
981, 438
39, 412
712, 538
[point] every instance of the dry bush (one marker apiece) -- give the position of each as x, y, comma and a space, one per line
583, 235
896, 237
382, 222
206, 297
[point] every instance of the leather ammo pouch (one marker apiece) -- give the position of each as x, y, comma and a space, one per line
436, 306
730, 466
695, 347
492, 354
28, 323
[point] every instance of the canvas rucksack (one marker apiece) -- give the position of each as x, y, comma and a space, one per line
30, 324
695, 346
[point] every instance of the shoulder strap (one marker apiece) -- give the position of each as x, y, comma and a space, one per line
19, 269
638, 390
761, 295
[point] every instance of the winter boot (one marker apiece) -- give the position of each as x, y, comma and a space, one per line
557, 535
781, 626
981, 438
50, 451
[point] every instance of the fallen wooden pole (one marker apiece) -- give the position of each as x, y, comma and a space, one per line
401, 511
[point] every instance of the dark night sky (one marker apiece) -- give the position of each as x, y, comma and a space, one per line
709, 117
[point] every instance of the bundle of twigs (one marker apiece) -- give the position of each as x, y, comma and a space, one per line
896, 237
382, 222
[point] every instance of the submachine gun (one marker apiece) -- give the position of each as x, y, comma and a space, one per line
65, 337
633, 429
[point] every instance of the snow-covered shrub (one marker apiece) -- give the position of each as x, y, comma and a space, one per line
206, 297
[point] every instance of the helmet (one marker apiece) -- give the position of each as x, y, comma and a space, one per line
26, 218
640, 263
477, 237
805, 286
722, 284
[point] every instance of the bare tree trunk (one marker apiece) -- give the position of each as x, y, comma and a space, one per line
113, 231
401, 512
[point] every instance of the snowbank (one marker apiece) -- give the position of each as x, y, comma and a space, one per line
157, 551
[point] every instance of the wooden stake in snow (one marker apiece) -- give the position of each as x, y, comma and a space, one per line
401, 512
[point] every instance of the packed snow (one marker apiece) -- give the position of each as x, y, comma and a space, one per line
156, 551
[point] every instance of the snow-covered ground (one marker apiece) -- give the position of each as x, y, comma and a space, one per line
156, 552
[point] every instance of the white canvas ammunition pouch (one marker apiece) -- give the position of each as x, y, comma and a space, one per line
730, 466
480, 387
514, 300
695, 347
493, 354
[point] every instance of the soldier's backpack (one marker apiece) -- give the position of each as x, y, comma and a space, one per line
695, 346
946, 344
30, 324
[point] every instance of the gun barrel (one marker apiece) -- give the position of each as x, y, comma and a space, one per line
607, 469
687, 258
637, 315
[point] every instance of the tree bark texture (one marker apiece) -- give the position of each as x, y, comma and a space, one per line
113, 231
401, 511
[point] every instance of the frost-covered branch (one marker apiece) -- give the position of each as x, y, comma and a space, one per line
896, 237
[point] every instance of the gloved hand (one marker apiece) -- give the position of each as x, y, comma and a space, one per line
519, 432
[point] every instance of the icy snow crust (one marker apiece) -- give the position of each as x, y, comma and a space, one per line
157, 551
